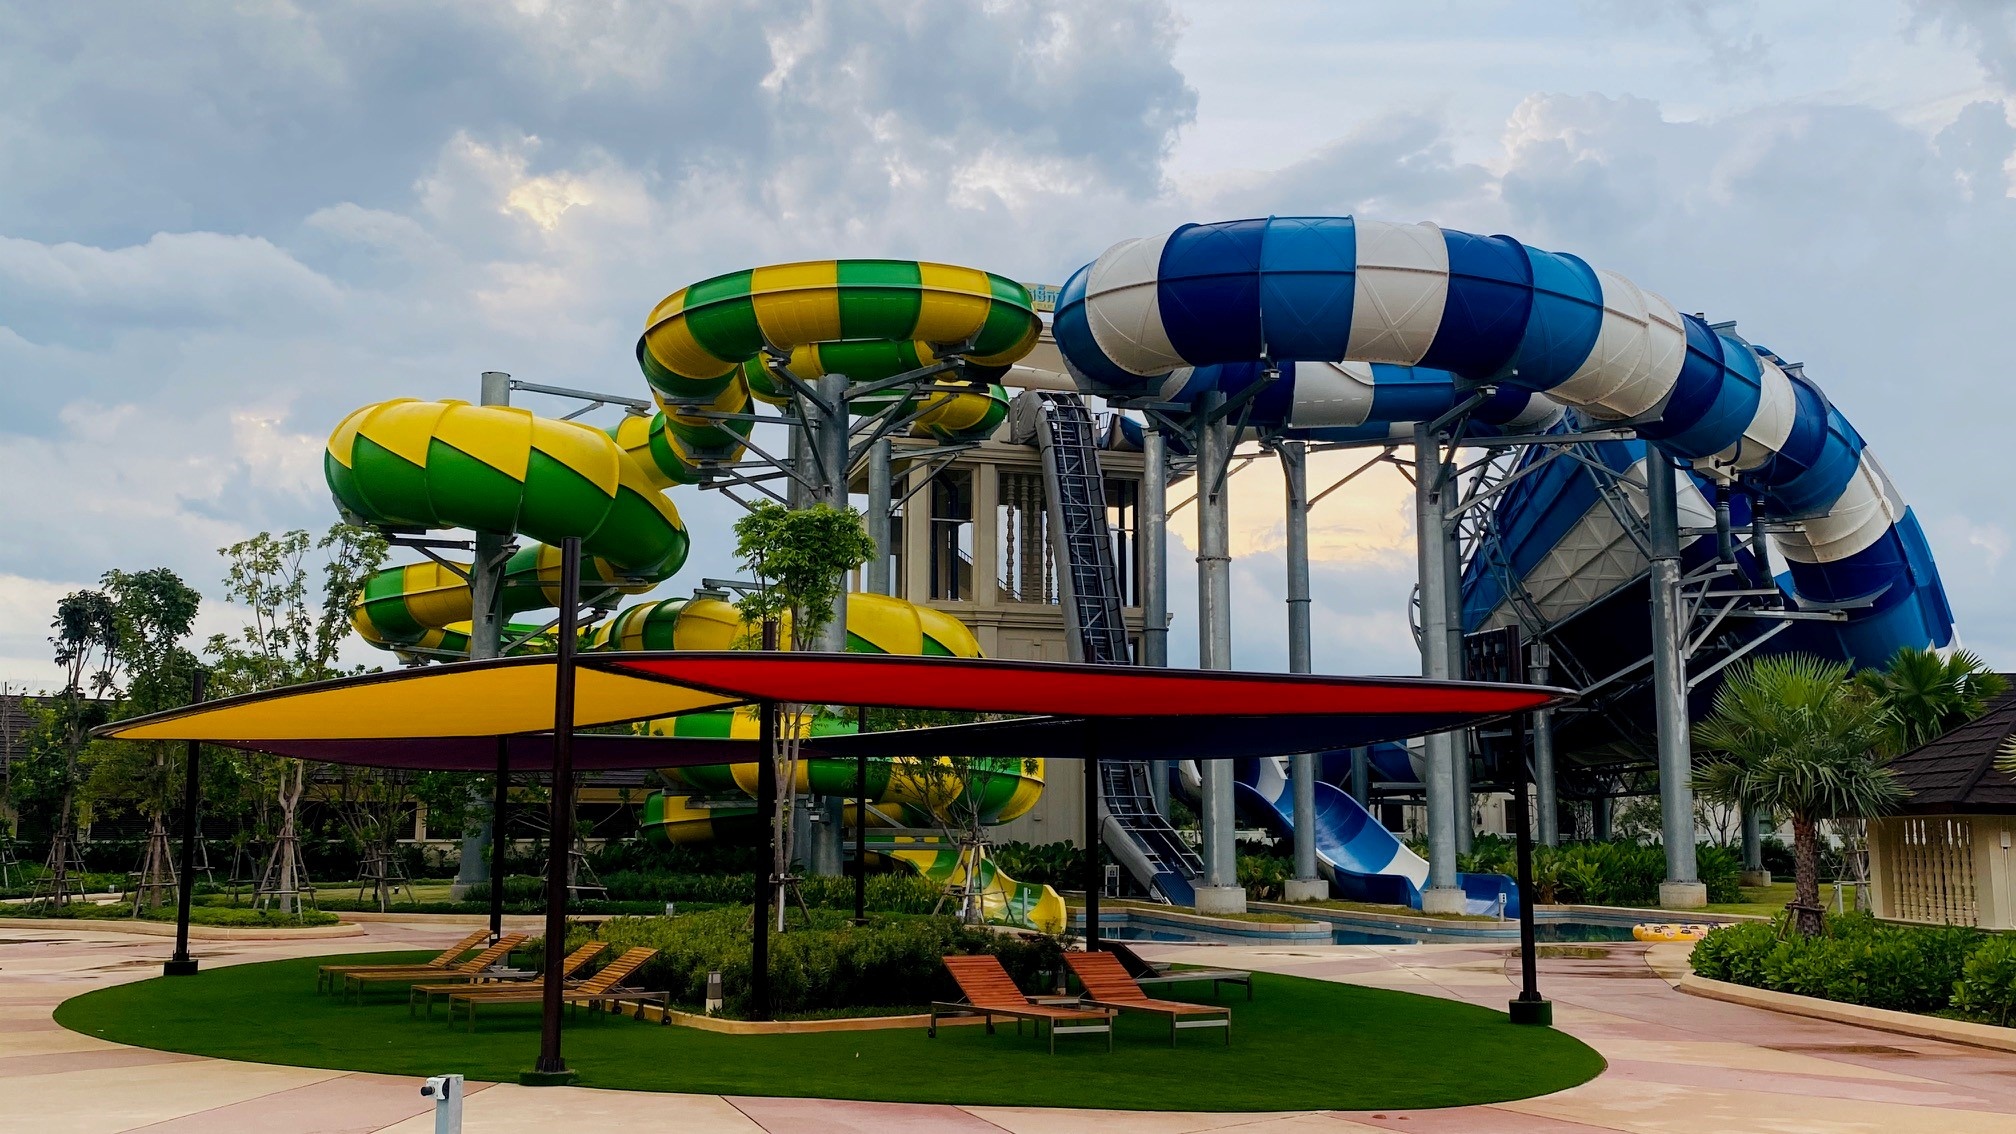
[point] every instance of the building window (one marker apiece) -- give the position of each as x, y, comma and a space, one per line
952, 536
1027, 570
1123, 517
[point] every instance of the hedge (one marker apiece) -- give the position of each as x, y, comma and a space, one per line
894, 961
1859, 960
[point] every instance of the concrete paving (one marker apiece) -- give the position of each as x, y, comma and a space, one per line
1678, 1063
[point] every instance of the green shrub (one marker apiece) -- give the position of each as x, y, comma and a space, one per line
1987, 986
1859, 960
893, 961
1265, 877
1054, 864
240, 917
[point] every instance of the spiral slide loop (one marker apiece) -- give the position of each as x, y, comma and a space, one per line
1333, 290
867, 319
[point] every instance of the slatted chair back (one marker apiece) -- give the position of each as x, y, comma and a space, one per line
449, 954
617, 971
1104, 977
492, 955
577, 960
983, 981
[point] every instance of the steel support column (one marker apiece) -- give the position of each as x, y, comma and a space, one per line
1546, 800
879, 574
1682, 888
1431, 506
1462, 744
486, 638
1154, 559
1214, 626
1294, 457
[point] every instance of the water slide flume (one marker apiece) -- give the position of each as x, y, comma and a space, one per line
708, 352
1326, 299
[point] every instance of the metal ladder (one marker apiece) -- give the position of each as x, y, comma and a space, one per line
1089, 591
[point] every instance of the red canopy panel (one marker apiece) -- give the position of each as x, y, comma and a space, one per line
1069, 690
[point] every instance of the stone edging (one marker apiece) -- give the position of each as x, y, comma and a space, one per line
1881, 1019
196, 932
797, 1027
1279, 930
1658, 916
1367, 917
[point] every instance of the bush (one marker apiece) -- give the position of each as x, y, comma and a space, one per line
1987, 985
198, 915
1858, 960
1604, 874
894, 961
1265, 877
1054, 864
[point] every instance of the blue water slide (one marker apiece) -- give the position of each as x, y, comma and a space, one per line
1360, 328
1362, 859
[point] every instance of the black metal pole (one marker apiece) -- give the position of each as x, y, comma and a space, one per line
182, 964
766, 812
861, 827
499, 792
552, 1068
1530, 1007
1094, 878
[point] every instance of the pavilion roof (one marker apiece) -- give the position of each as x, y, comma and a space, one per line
1956, 772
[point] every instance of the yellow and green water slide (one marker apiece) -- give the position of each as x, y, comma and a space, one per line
717, 799
708, 352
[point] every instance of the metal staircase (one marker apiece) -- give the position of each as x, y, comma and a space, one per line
1089, 590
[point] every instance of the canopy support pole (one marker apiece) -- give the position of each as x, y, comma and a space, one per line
1294, 455
1431, 507
182, 964
766, 878
498, 791
551, 1069
1094, 876
861, 817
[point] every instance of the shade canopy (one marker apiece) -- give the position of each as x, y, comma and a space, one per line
456, 716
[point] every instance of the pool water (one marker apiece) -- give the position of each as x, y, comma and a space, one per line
1548, 931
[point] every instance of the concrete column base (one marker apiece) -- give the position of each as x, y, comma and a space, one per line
1221, 899
1306, 889
1754, 878
1444, 900
1682, 895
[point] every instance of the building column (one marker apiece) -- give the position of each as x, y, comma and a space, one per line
879, 494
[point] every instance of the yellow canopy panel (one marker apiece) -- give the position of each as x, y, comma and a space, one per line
497, 698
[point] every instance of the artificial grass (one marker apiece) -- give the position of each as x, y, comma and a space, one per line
1298, 1045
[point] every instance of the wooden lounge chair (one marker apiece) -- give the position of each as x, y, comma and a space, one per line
603, 987
1107, 985
991, 992
466, 971
1148, 973
328, 975
569, 965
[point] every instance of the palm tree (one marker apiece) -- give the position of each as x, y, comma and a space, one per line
1928, 694
1795, 734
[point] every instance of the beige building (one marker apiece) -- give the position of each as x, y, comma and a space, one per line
974, 541
1948, 858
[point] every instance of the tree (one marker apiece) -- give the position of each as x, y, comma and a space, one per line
87, 634
799, 561
289, 641
1928, 694
1796, 735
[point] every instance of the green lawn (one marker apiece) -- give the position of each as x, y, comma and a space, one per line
1761, 901
1299, 1045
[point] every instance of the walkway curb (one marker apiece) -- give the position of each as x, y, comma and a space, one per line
196, 932
1881, 1019
799, 1027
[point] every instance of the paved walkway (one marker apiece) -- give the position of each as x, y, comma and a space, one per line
1677, 1063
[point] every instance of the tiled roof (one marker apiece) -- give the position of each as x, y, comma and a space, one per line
1957, 772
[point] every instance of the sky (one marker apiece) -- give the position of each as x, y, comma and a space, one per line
223, 226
